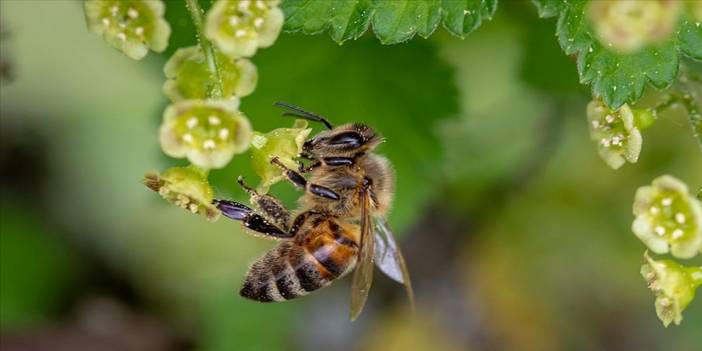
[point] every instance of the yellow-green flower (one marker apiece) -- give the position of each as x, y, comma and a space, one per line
131, 26
284, 143
239, 27
190, 78
615, 132
668, 218
674, 286
186, 187
628, 25
207, 132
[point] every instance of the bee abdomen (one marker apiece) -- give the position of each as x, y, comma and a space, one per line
284, 273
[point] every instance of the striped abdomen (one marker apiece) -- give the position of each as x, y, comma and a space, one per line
296, 268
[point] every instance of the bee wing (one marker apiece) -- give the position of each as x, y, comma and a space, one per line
389, 258
363, 275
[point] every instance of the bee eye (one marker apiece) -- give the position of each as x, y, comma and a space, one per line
346, 139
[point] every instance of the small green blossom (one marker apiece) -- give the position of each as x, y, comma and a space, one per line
668, 217
186, 187
628, 25
239, 27
617, 136
674, 286
284, 143
207, 132
189, 77
131, 26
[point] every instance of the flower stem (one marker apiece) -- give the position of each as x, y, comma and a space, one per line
196, 13
689, 100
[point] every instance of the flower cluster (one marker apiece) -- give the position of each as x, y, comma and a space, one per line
205, 83
207, 132
186, 187
131, 26
284, 143
189, 76
239, 27
617, 135
668, 218
628, 25
674, 286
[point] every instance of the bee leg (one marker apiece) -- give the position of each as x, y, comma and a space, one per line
304, 169
249, 218
298, 180
338, 161
271, 207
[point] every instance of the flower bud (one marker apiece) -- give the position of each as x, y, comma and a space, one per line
284, 143
617, 136
208, 133
674, 286
189, 77
239, 27
131, 26
668, 218
186, 187
628, 25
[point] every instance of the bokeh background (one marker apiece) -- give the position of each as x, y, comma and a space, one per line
516, 234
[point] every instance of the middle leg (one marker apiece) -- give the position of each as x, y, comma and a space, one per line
250, 219
271, 207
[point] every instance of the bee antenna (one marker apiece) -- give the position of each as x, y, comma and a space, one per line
296, 111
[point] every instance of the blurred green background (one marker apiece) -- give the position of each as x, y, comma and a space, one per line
516, 233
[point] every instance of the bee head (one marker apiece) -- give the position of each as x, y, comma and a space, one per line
345, 140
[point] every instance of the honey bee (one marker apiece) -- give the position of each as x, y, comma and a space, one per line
340, 224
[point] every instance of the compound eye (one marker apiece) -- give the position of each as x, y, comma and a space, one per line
346, 140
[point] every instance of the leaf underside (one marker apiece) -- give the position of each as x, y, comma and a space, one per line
615, 77
393, 21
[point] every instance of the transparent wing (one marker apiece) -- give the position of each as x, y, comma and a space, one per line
363, 275
389, 258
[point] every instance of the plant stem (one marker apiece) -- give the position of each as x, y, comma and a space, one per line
693, 110
668, 101
689, 100
197, 14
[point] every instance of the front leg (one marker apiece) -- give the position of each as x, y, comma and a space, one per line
250, 219
299, 181
306, 169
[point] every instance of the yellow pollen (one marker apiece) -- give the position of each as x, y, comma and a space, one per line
214, 120
209, 144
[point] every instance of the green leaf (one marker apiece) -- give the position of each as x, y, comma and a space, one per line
549, 8
615, 76
393, 21
690, 39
